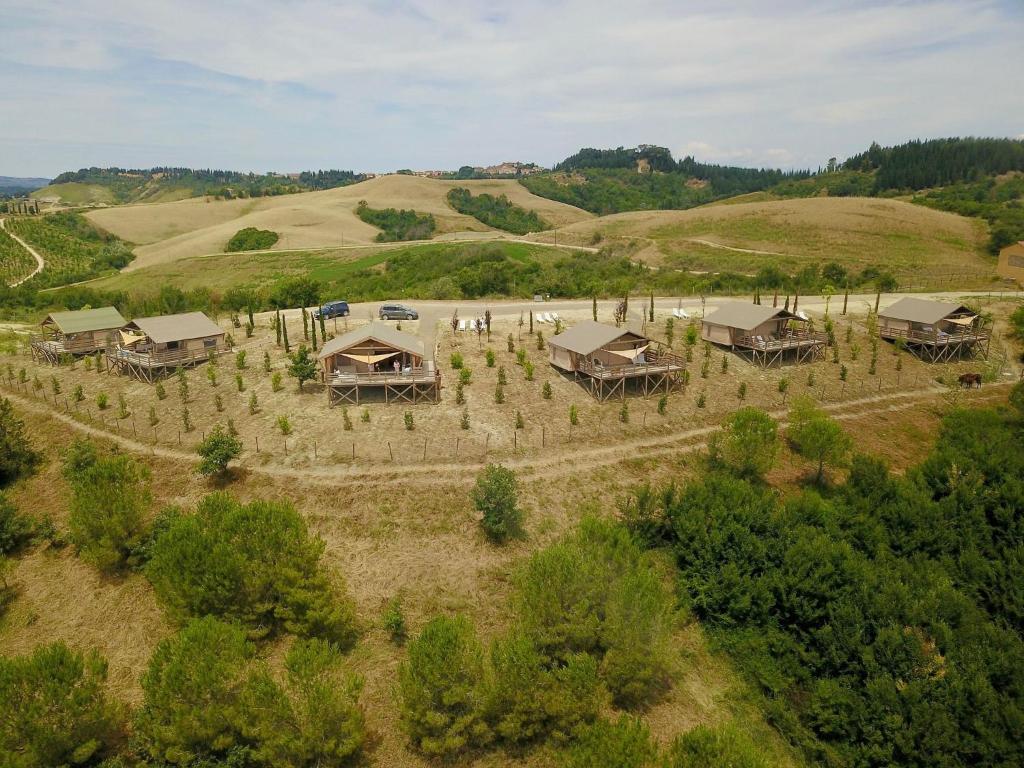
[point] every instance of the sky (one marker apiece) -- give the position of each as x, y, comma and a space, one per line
290, 85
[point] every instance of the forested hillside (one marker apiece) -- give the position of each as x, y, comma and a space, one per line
647, 177
141, 185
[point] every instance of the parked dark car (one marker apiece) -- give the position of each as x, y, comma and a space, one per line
397, 312
332, 309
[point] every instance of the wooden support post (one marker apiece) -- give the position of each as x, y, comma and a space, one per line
390, 452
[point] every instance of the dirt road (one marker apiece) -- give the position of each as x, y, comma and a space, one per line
39, 259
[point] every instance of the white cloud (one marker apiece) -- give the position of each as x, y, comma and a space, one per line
423, 82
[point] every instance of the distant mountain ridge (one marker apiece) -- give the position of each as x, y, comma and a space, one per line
18, 184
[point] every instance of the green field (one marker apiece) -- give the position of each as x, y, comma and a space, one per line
72, 248
77, 193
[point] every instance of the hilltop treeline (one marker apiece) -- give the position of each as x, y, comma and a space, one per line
133, 184
938, 162
647, 177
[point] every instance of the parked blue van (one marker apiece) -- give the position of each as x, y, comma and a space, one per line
332, 309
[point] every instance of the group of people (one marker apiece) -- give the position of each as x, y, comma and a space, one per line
396, 366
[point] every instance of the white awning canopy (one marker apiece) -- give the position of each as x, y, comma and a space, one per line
630, 354
128, 338
961, 320
369, 359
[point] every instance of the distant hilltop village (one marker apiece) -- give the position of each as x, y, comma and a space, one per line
506, 169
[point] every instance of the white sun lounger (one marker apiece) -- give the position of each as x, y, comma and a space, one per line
802, 315
462, 325
542, 317
683, 314
553, 316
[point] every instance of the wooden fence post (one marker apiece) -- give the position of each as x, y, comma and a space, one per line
424, 449
257, 443
390, 452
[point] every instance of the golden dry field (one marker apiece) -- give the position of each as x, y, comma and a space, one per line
166, 232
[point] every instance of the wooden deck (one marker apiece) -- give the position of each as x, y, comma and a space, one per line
150, 366
660, 373
938, 346
414, 386
54, 349
805, 346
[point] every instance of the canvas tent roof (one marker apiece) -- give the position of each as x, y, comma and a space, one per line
381, 332
588, 337
922, 310
99, 319
188, 325
747, 317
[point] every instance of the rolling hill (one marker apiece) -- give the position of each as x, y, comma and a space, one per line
169, 231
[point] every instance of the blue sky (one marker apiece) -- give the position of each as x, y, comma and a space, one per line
375, 86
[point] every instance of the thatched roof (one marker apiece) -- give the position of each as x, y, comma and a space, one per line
379, 332
923, 310
747, 317
188, 325
84, 320
588, 337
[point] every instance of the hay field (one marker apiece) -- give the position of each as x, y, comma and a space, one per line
910, 240
167, 232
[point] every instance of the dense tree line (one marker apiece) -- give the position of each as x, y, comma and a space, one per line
132, 184
881, 617
1000, 203
397, 224
610, 180
498, 212
938, 162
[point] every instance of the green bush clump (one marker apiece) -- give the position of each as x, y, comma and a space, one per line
110, 498
442, 691
498, 212
747, 443
397, 224
496, 497
253, 563
251, 239
623, 743
595, 592
207, 700
15, 528
55, 709
217, 450
17, 456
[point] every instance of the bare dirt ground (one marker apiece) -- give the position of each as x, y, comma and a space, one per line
406, 527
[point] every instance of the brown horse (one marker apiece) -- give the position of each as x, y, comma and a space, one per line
970, 380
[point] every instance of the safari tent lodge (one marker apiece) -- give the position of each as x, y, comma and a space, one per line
378, 359
764, 334
151, 347
609, 358
935, 331
81, 332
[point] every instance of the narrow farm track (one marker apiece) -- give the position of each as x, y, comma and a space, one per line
40, 264
535, 467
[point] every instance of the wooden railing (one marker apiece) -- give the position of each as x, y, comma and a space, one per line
419, 374
788, 340
61, 345
655, 361
165, 358
934, 336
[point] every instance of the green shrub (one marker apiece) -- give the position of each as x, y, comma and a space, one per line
456, 360
464, 421
410, 425
705, 747
365, 416
102, 401
15, 528
240, 360
817, 437
192, 694
520, 423
55, 709
266, 361
110, 496
499, 393
161, 393
346, 420
624, 413
490, 358
465, 376
217, 450
78, 395
496, 497
442, 691
211, 375
218, 403
254, 404
663, 405
747, 443
702, 400
574, 415
251, 239
520, 356
284, 425
624, 743
528, 370
596, 592
239, 382
254, 563
528, 700
460, 393
545, 391
394, 620
17, 456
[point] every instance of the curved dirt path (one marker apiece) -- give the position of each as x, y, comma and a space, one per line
534, 467
40, 264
